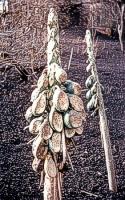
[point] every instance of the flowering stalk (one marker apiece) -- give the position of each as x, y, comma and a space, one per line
102, 115
56, 115
51, 184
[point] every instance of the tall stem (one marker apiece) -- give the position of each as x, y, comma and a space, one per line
52, 185
53, 52
103, 119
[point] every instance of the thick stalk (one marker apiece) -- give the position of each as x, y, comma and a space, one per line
51, 188
103, 119
52, 185
53, 53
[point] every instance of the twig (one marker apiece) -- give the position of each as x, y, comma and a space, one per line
41, 179
103, 119
59, 187
89, 193
26, 128
32, 140
70, 58
72, 140
70, 161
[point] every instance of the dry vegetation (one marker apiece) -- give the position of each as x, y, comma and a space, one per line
23, 34
23, 29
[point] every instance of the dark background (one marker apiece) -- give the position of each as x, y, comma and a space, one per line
18, 181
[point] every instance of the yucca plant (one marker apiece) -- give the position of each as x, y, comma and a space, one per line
96, 104
55, 116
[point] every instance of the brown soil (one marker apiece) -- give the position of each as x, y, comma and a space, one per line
18, 181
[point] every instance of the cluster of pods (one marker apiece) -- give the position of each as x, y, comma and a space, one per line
91, 95
55, 116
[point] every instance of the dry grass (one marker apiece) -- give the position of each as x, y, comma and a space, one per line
24, 30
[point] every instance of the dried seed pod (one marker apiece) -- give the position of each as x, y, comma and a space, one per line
60, 75
88, 95
79, 130
56, 120
73, 87
43, 80
76, 103
94, 88
60, 100
35, 125
39, 105
95, 100
45, 130
50, 166
37, 165
39, 149
69, 132
92, 104
73, 119
55, 142
90, 81
35, 94
29, 114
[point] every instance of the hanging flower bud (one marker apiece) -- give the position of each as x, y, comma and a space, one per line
35, 94
76, 103
39, 104
45, 130
55, 142
39, 149
88, 95
90, 81
35, 125
29, 114
38, 165
56, 120
94, 88
73, 119
60, 100
92, 104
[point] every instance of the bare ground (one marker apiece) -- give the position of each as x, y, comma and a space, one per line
17, 180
